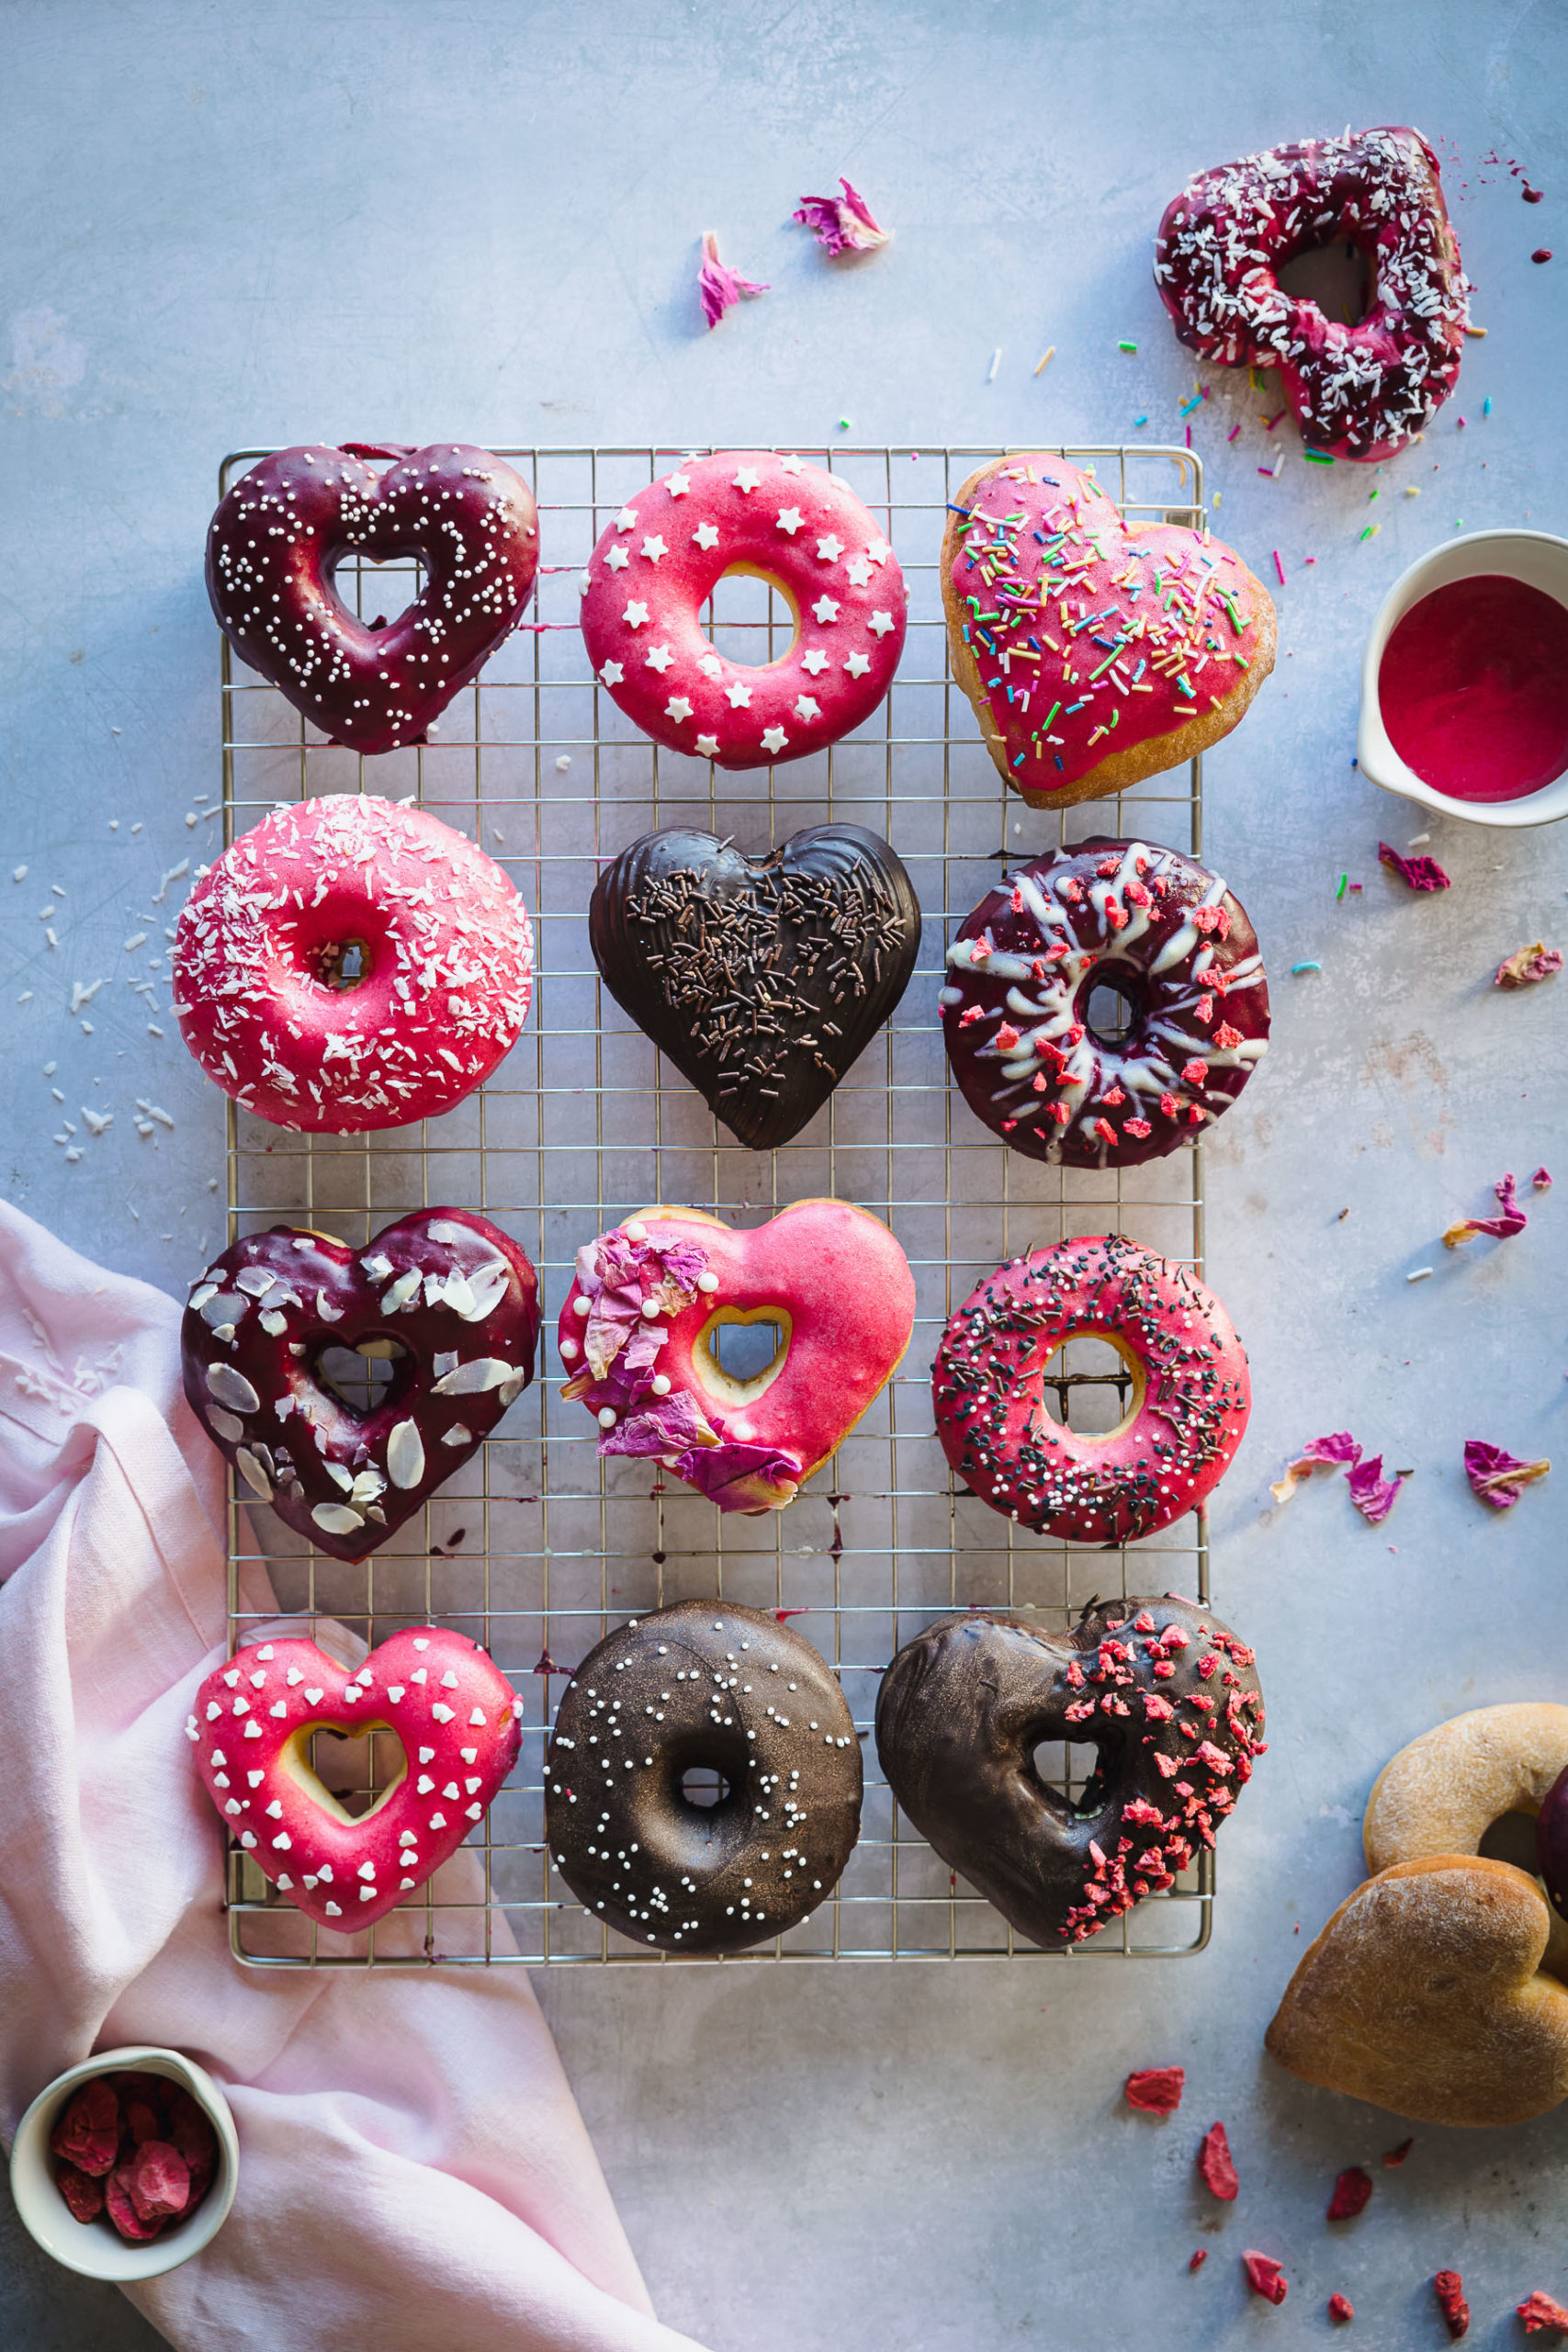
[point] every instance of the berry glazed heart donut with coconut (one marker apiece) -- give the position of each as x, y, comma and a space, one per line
1357, 391
443, 1296
1191, 1391
781, 520
451, 1708
1166, 1694
279, 534
1017, 1013
638, 1326
350, 963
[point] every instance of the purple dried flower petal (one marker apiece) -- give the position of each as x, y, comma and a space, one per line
1319, 1454
843, 224
667, 1425
1541, 1180
718, 287
1373, 1494
740, 1477
1527, 965
1416, 873
1499, 1478
1513, 1219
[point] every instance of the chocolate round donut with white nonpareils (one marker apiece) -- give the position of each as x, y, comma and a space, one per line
1164, 1691
702, 1691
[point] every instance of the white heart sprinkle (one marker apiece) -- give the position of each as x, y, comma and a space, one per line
315, 1697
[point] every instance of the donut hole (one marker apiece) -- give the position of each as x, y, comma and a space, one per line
341, 964
1111, 1011
350, 1774
1511, 1838
1091, 1386
1067, 1767
357, 581
739, 1352
751, 619
363, 1377
1338, 279
703, 1786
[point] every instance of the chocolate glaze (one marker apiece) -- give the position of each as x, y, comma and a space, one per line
450, 1289
763, 980
703, 1684
963, 1706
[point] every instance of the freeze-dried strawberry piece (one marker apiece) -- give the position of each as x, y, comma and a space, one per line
159, 2180
1397, 2155
1538, 2311
1264, 2276
1156, 2090
1341, 2308
87, 2135
1215, 2164
1448, 2288
123, 2213
82, 2192
1200, 2257
1351, 2191
195, 2138
142, 2120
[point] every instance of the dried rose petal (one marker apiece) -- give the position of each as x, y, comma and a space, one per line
159, 2180
1538, 2311
1264, 2276
1215, 2164
82, 2192
1373, 1495
1200, 2257
1319, 1454
1157, 2089
1416, 873
1341, 2308
719, 288
1541, 1179
1501, 1228
1396, 2155
1351, 2192
843, 224
87, 2135
1499, 1478
1448, 2288
123, 2212
1527, 965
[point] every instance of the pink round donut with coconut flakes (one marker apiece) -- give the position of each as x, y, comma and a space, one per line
349, 963
778, 519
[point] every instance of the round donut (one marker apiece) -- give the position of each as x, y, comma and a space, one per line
1358, 392
1191, 1393
1166, 1694
793, 525
703, 1686
279, 534
1173, 942
637, 1328
351, 963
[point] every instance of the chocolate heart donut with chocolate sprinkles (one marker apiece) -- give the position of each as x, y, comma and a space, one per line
703, 1687
443, 1296
763, 979
1163, 1690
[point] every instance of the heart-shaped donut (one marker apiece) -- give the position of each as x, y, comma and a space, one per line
639, 1334
445, 1295
763, 978
451, 1708
279, 534
1095, 651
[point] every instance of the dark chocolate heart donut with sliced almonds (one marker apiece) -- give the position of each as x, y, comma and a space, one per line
447, 1297
763, 979
1164, 1690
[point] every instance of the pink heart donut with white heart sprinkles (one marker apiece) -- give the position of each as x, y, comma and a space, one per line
448, 1703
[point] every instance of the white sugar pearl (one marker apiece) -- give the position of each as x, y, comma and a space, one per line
635, 1229
742, 1429
661, 1384
569, 1349
650, 1308
584, 1306
607, 1417
708, 1282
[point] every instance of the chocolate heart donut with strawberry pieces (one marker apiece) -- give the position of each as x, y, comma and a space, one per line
444, 1295
279, 534
451, 1708
1165, 1693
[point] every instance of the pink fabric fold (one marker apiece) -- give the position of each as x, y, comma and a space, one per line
414, 2169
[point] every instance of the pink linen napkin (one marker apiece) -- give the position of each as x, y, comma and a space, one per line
414, 2169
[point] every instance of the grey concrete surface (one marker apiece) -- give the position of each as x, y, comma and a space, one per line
225, 226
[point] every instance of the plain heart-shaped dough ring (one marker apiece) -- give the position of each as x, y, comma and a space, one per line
636, 1335
1095, 651
454, 1711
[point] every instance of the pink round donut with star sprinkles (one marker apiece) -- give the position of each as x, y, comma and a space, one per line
778, 519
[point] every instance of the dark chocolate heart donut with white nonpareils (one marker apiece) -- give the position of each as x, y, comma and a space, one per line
1165, 1693
443, 1296
763, 979
279, 534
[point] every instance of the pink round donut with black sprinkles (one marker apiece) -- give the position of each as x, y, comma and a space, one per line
777, 518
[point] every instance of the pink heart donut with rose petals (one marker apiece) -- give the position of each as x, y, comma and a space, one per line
448, 1703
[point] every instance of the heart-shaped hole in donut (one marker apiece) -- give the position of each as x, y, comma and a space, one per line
703, 1786
1091, 1385
1068, 1769
751, 619
365, 1377
740, 1352
351, 1774
1338, 279
357, 578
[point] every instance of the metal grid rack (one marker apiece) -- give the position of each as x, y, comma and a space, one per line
534, 1547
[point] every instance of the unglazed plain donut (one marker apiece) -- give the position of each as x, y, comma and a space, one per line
636, 1336
789, 523
454, 1713
1358, 392
703, 1686
1191, 1393
1171, 938
279, 536
350, 963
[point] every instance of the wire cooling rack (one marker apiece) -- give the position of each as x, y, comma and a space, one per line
534, 1547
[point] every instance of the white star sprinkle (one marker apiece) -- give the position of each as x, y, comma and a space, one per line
677, 485
806, 708
826, 610
747, 479
830, 550
790, 519
881, 623
659, 657
860, 571
635, 615
654, 548
711, 666
707, 747
858, 665
791, 464
618, 557
816, 662
584, 582
626, 519
879, 550
611, 675
739, 697
677, 707
773, 738
706, 535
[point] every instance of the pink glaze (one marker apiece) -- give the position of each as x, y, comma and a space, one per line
1179, 1435
831, 1275
450, 1705
442, 931
1473, 688
1358, 392
277, 536
1049, 580
655, 568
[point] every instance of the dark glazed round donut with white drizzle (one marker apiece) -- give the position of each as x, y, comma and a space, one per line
1168, 1696
1167, 937
703, 1685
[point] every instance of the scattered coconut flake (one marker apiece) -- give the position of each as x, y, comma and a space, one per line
175, 874
1527, 965
843, 224
1501, 1228
718, 287
138, 938
152, 1111
81, 995
97, 1121
1339, 1450
18, 874
1156, 2090
1499, 1478
1373, 1495
1416, 873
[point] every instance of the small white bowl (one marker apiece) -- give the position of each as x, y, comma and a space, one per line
95, 2248
1540, 560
